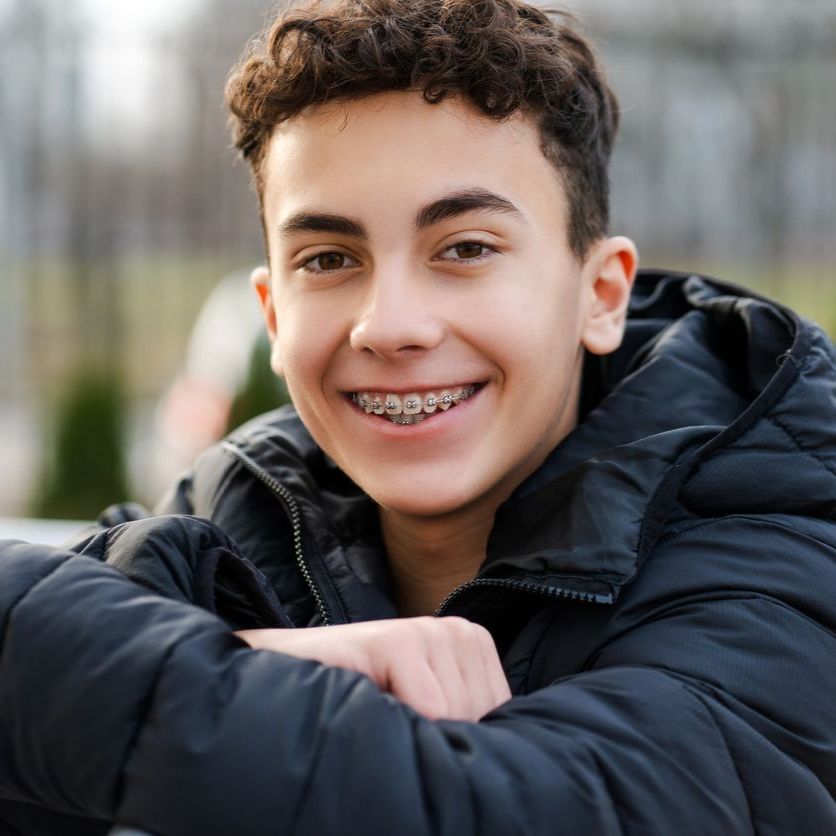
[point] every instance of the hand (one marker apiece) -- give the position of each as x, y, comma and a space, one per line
444, 668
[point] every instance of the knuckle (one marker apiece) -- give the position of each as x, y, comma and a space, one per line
456, 621
427, 698
419, 625
482, 633
455, 625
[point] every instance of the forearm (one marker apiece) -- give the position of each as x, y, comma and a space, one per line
120, 705
81, 649
167, 722
588, 758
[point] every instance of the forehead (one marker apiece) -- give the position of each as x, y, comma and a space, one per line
393, 151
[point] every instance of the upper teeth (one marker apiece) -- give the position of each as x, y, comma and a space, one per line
412, 403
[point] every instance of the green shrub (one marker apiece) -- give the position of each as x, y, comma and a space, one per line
261, 391
84, 469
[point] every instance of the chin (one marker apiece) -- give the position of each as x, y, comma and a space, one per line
431, 502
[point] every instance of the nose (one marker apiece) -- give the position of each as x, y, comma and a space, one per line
398, 316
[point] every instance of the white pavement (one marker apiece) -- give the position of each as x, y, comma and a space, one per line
20, 436
50, 532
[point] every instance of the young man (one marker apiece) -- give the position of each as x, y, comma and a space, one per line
625, 528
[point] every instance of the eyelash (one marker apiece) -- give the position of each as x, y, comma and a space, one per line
487, 252
308, 263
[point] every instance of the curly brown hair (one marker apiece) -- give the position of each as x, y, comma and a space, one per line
501, 56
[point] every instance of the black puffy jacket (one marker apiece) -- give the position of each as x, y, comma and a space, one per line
661, 592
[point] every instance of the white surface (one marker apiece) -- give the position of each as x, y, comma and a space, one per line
19, 460
50, 532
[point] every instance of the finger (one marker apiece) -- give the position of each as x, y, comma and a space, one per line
451, 657
498, 687
467, 642
414, 682
482, 669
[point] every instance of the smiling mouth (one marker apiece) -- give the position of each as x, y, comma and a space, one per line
414, 407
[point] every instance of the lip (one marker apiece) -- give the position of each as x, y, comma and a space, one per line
440, 422
400, 389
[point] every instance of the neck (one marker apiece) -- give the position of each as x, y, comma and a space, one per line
431, 556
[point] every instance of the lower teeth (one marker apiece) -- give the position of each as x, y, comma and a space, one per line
408, 419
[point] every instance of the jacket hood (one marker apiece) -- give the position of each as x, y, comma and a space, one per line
718, 401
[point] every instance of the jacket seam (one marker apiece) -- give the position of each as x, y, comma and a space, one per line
430, 810
609, 787
768, 401
704, 700
776, 602
701, 693
800, 445
140, 723
788, 375
106, 544
756, 596
305, 789
101, 540
752, 518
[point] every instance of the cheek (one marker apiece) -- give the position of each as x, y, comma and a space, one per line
530, 332
308, 341
295, 351
303, 368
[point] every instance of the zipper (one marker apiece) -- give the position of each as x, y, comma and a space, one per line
291, 507
522, 586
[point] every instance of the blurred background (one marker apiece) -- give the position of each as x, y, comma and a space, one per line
122, 207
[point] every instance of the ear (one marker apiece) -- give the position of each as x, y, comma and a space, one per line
260, 280
608, 273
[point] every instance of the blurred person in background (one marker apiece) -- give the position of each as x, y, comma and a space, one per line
544, 544
199, 406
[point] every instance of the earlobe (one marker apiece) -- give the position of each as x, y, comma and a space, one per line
609, 273
260, 280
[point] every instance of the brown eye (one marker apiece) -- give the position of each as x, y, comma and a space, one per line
330, 261
469, 249
468, 253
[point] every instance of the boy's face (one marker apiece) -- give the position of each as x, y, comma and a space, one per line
421, 250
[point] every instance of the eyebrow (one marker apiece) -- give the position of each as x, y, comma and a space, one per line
460, 203
322, 222
450, 206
